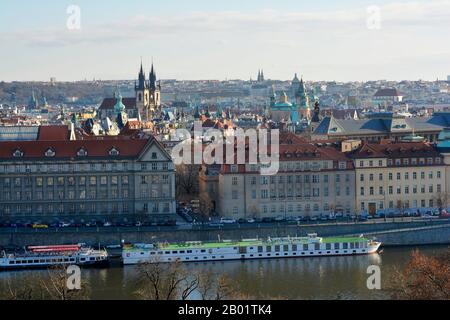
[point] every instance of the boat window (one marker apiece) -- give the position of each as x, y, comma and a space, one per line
182, 252
260, 249
92, 259
336, 251
345, 245
12, 262
294, 247
189, 251
305, 247
277, 248
286, 254
82, 259
36, 261
167, 252
354, 251
268, 248
213, 257
328, 252
317, 246
336, 246
174, 252
152, 253
286, 248
203, 251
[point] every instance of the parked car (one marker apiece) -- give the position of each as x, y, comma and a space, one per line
314, 218
227, 221
280, 219
107, 224
324, 218
138, 224
40, 226
242, 221
215, 224
251, 220
64, 225
267, 220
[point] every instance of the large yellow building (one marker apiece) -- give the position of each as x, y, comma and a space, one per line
399, 176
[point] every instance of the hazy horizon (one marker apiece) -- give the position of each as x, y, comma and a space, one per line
326, 40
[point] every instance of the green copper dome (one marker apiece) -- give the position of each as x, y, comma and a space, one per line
119, 107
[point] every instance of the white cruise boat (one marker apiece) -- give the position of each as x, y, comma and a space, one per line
310, 246
48, 256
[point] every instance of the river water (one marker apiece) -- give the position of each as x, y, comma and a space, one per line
302, 278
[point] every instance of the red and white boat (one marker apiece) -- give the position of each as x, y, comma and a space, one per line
49, 256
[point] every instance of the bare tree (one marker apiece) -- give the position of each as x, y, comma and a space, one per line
171, 281
206, 204
164, 281
423, 278
441, 199
187, 180
56, 288
49, 286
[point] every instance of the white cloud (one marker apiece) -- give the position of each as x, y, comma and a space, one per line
328, 44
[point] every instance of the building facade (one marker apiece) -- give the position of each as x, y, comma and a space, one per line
108, 180
399, 176
311, 181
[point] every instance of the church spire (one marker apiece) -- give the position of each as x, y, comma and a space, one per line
152, 78
141, 77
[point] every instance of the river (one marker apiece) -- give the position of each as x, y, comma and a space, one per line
302, 278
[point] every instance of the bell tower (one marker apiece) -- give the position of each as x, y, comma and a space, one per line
142, 93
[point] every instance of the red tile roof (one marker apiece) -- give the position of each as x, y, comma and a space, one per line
53, 133
109, 103
69, 149
389, 92
396, 150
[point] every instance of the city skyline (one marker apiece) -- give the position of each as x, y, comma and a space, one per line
201, 40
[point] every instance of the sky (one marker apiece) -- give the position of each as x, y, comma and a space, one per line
345, 40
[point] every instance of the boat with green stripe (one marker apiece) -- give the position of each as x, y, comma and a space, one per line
249, 249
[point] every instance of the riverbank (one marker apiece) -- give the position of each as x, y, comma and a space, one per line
398, 233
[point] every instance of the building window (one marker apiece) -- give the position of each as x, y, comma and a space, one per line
114, 152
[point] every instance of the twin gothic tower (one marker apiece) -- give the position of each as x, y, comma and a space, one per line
148, 94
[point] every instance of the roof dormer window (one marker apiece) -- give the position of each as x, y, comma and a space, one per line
50, 153
114, 152
18, 153
82, 152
